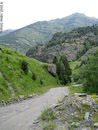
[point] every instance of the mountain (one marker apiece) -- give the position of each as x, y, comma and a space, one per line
73, 44
20, 75
6, 32
41, 32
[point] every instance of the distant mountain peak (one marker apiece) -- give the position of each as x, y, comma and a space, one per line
42, 32
76, 15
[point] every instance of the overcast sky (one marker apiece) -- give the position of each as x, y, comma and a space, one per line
19, 13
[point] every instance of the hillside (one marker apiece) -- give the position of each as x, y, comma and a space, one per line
5, 32
73, 44
14, 80
41, 32
86, 72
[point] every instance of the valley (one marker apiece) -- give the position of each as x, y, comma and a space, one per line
41, 32
48, 75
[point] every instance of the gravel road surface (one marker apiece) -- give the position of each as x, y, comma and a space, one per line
20, 116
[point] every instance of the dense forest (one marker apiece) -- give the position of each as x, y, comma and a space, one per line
87, 73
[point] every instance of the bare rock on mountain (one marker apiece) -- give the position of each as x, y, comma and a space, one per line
88, 53
46, 54
52, 69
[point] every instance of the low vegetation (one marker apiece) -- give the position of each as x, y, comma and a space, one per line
76, 89
25, 75
71, 114
48, 115
87, 73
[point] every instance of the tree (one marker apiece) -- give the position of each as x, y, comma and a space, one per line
68, 71
55, 60
89, 74
63, 70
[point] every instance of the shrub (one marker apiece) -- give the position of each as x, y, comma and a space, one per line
33, 76
7, 58
41, 82
89, 74
24, 66
48, 114
49, 126
55, 60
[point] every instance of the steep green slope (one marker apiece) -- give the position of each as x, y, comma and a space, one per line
41, 32
73, 44
14, 81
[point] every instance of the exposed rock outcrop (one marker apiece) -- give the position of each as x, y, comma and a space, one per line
46, 54
88, 53
52, 69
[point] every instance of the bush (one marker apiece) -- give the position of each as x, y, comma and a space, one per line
48, 114
24, 66
41, 82
89, 74
49, 126
33, 76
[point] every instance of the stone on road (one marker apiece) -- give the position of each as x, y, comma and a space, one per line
20, 116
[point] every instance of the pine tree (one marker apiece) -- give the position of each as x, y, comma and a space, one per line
68, 71
63, 70
55, 60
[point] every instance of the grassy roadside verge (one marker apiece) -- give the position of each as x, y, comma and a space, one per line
75, 89
21, 83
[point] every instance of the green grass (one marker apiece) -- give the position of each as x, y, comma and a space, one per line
22, 83
95, 117
74, 64
78, 89
48, 115
49, 126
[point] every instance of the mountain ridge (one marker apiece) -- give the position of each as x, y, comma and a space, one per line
73, 44
41, 32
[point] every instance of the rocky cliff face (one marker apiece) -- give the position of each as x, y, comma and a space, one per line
72, 44
88, 53
41, 32
46, 54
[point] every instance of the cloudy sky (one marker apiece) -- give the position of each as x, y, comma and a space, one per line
19, 13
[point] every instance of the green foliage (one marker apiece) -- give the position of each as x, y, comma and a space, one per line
49, 126
89, 74
77, 89
63, 70
61, 108
72, 36
41, 82
33, 76
21, 40
95, 116
24, 66
74, 65
87, 46
48, 114
72, 127
22, 84
55, 60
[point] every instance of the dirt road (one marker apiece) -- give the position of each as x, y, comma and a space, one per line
20, 116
